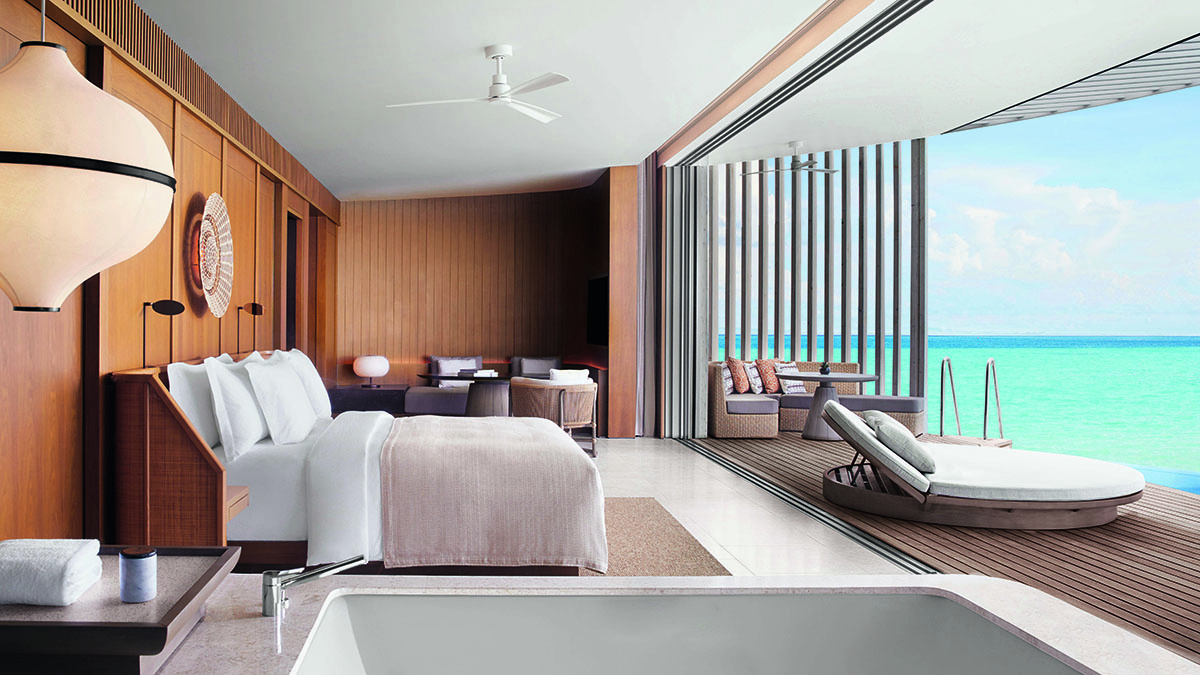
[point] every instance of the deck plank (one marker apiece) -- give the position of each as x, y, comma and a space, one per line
1139, 572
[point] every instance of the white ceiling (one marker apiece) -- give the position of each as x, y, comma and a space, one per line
955, 61
316, 74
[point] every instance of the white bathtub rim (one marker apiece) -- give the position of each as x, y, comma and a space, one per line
1071, 635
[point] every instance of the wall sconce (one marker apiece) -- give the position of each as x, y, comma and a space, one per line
371, 367
163, 307
251, 308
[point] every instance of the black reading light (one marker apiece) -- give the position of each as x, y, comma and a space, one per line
163, 307
251, 308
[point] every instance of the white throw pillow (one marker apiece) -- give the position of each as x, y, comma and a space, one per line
789, 386
756, 385
310, 379
239, 419
563, 376
284, 403
451, 367
190, 388
900, 440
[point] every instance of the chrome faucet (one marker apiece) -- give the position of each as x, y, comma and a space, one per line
276, 582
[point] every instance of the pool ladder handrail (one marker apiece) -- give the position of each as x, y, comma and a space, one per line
989, 370
947, 367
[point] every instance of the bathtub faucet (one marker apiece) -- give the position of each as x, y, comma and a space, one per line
276, 582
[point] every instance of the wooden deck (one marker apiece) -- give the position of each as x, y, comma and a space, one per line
1141, 572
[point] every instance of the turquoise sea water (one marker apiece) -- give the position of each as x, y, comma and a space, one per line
1134, 400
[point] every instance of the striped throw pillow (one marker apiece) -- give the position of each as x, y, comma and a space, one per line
741, 383
766, 370
727, 378
756, 384
790, 386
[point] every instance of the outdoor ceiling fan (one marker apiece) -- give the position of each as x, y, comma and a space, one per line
797, 163
502, 94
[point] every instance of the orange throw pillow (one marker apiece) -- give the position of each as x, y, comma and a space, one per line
766, 370
741, 381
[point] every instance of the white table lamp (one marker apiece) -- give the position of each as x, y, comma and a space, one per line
371, 367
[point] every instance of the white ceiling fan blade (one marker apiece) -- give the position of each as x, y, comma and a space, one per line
536, 112
751, 173
539, 82
819, 170
453, 100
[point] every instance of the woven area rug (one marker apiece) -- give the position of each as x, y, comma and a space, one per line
644, 540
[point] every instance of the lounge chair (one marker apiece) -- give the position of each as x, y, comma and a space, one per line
973, 486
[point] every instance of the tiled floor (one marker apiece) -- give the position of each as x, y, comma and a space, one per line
749, 530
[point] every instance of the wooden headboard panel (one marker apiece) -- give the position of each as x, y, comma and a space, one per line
169, 484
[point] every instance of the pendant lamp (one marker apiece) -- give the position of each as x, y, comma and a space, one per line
86, 180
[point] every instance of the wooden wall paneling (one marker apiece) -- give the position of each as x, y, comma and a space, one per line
41, 397
623, 305
240, 191
198, 168
264, 263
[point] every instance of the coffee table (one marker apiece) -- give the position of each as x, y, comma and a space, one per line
815, 428
487, 396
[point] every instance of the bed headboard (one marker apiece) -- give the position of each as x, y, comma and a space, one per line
169, 485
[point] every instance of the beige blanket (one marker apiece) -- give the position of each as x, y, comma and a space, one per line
489, 491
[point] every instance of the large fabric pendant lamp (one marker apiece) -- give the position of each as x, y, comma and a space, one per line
85, 179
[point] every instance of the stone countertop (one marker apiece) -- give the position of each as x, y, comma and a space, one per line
236, 638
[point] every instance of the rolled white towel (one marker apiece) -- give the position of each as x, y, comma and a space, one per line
47, 571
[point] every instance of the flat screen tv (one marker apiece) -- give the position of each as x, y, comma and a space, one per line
597, 311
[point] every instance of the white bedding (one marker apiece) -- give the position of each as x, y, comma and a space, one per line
278, 480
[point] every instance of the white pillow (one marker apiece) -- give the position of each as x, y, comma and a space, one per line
451, 367
284, 403
789, 386
900, 440
239, 419
190, 389
562, 376
314, 387
756, 385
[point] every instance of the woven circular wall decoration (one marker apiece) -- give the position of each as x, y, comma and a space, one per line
214, 255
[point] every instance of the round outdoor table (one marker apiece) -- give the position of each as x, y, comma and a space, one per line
815, 428
486, 397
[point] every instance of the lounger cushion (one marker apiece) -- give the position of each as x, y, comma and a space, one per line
861, 434
888, 404
1020, 475
751, 404
900, 440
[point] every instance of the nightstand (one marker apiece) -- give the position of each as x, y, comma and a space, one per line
387, 398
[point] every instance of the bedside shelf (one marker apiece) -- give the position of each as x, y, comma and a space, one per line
387, 398
237, 498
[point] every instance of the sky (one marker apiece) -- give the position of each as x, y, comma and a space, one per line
1084, 223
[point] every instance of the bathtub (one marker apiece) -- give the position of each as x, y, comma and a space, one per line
923, 626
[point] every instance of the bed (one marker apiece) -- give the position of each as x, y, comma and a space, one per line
492, 493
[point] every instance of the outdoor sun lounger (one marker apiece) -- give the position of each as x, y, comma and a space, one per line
975, 486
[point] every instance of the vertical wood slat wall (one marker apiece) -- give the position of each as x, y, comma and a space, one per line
831, 268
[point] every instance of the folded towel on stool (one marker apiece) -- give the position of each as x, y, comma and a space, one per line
47, 571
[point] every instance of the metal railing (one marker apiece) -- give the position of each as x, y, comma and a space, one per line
992, 384
947, 367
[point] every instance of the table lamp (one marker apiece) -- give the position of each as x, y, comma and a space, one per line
371, 367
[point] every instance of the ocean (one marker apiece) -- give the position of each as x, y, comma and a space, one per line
1128, 399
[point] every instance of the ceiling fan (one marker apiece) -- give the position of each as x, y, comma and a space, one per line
797, 163
501, 93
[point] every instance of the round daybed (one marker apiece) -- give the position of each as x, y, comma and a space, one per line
973, 486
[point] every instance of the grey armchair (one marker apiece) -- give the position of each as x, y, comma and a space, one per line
535, 366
